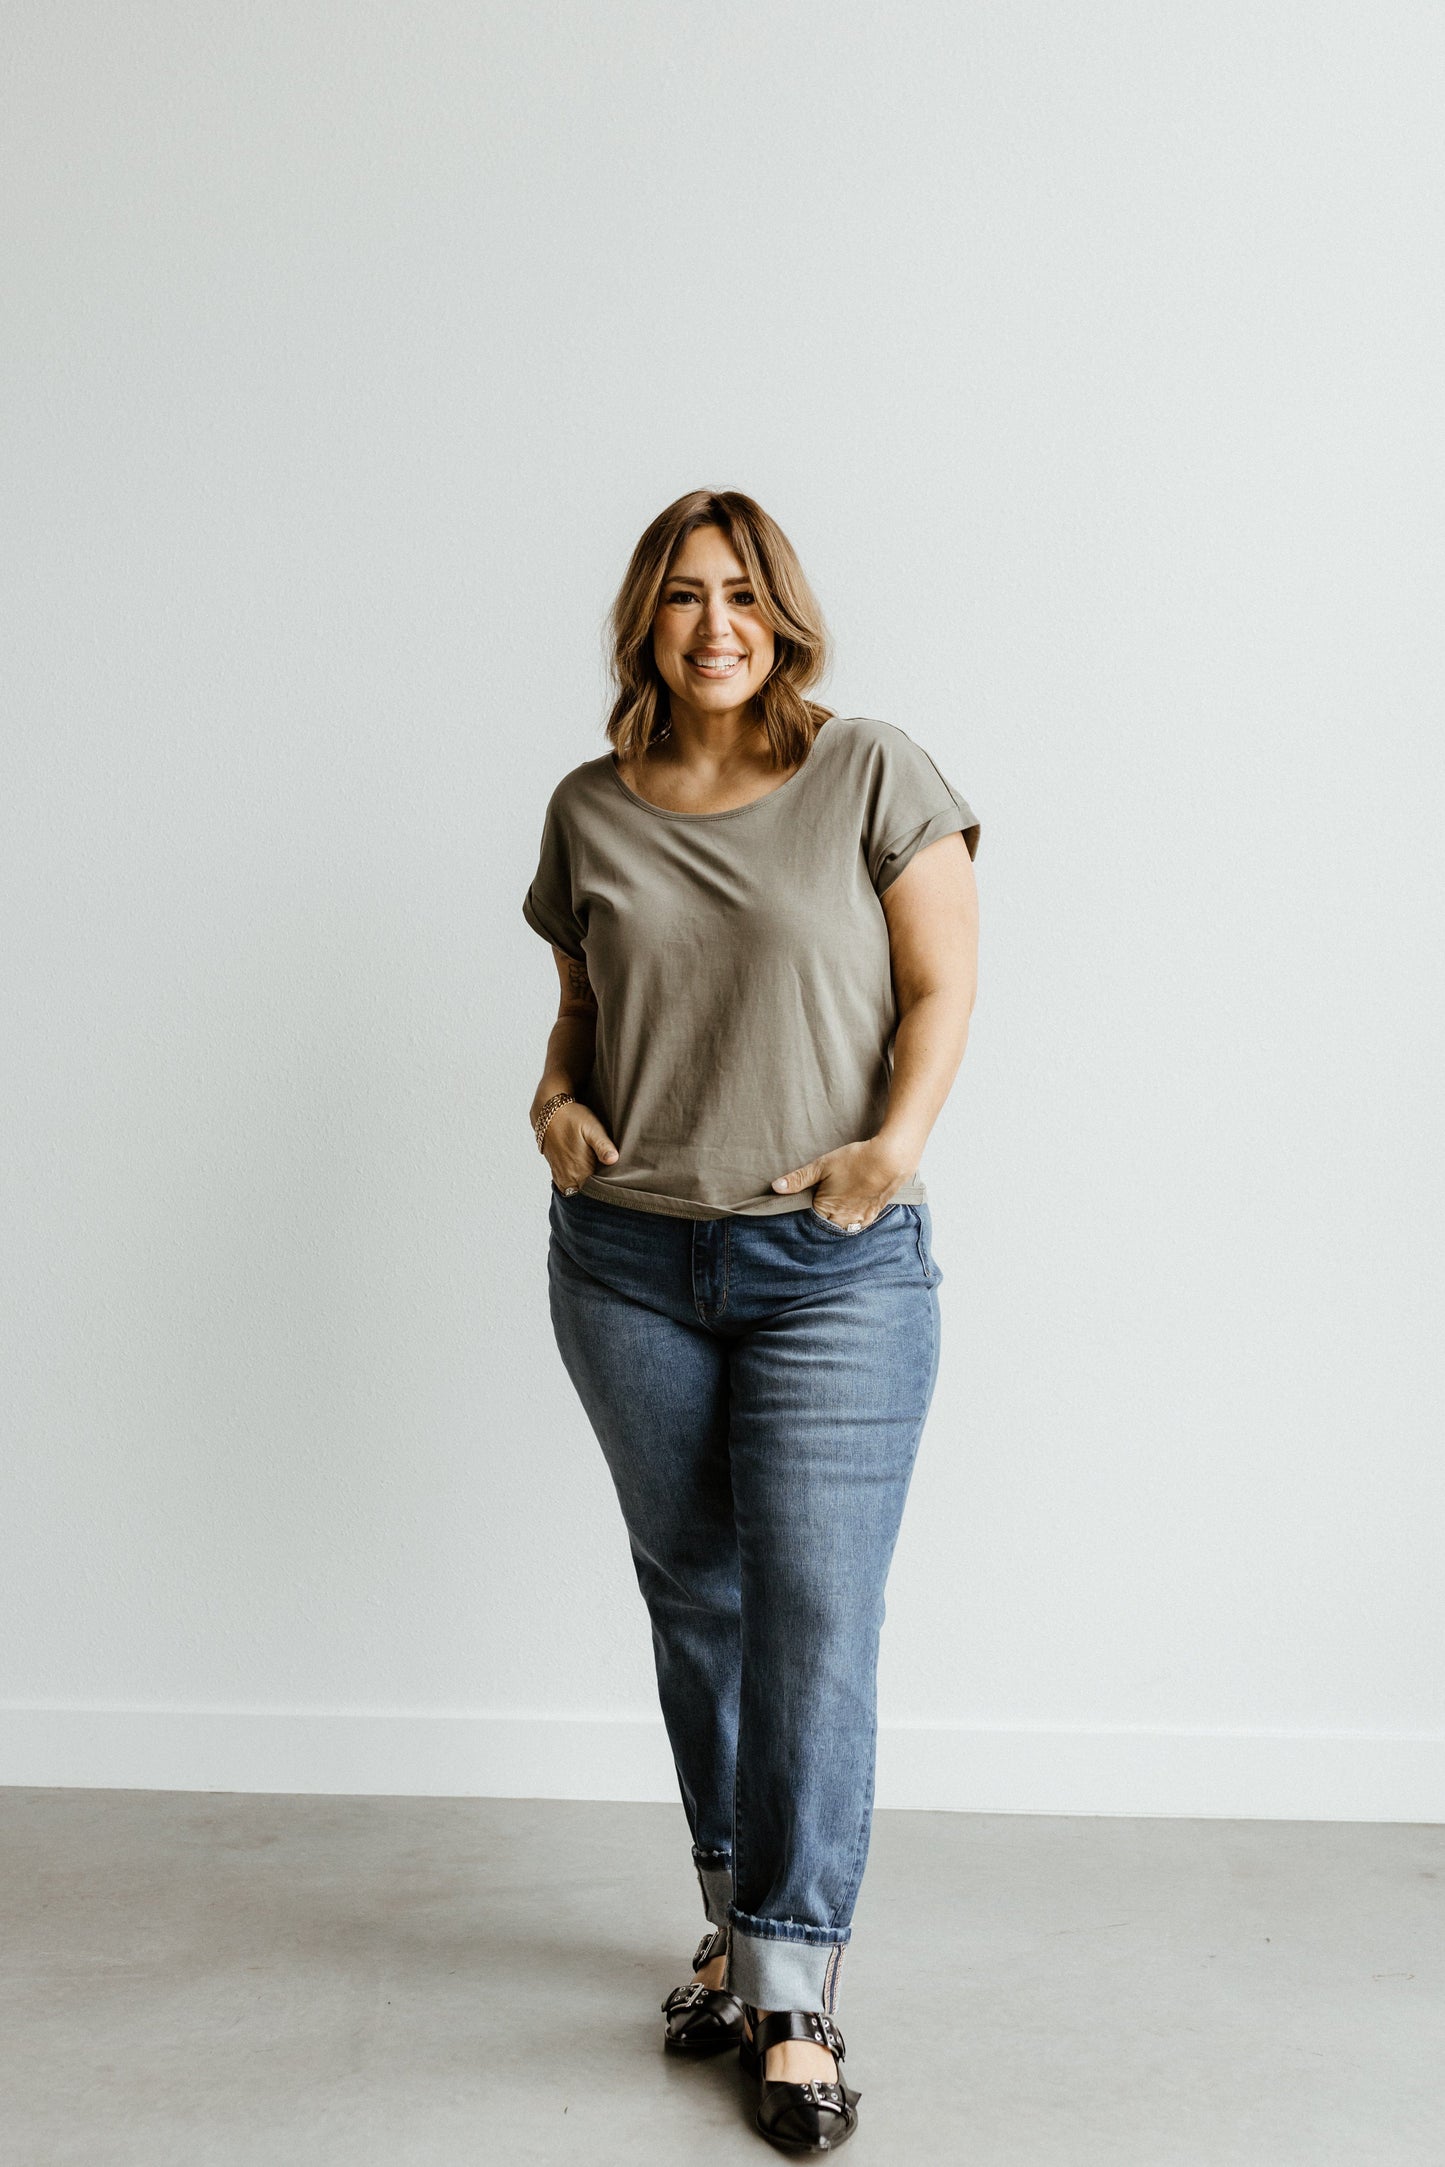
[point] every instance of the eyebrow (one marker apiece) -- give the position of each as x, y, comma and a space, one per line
688, 579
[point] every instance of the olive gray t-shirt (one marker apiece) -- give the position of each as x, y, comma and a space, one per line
740, 960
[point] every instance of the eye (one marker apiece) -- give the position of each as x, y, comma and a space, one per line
741, 598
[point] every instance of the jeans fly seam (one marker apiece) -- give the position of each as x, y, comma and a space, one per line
709, 1312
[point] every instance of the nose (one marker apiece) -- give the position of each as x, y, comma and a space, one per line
715, 618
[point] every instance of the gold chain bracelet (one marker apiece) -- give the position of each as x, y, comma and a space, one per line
558, 1098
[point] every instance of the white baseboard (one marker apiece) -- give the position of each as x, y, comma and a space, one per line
933, 1767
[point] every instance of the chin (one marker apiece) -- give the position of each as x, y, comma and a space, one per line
722, 692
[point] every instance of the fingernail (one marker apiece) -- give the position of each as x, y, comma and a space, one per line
781, 1182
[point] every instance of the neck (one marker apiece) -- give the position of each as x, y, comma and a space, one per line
713, 737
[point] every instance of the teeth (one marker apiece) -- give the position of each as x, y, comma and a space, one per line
720, 668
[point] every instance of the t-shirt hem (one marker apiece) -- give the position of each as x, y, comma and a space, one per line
678, 1207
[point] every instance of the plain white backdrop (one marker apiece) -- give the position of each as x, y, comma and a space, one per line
1091, 356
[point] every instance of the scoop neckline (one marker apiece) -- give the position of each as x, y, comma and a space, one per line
729, 812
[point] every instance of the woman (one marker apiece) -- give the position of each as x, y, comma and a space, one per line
764, 922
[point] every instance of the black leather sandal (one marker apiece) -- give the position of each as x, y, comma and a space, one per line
799, 2117
703, 2019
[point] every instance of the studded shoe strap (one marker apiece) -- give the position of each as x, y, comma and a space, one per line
799, 2024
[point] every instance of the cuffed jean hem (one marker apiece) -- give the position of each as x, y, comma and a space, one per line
715, 1879
777, 1965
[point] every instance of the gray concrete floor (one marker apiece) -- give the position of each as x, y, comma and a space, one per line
219, 1979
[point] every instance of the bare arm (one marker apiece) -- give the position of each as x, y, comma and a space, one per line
572, 1041
932, 913
575, 1138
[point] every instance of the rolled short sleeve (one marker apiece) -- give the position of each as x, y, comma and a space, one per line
548, 904
911, 805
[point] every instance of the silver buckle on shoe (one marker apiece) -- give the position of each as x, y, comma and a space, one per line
821, 2094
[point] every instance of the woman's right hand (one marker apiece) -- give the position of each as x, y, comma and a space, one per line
575, 1145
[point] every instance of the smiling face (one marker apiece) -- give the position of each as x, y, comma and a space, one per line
712, 648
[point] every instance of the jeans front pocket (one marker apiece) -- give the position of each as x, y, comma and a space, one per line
831, 1227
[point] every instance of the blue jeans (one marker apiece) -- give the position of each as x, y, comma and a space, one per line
759, 1387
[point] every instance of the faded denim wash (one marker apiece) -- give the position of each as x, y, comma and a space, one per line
759, 1387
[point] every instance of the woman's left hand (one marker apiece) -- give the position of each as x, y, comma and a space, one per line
853, 1184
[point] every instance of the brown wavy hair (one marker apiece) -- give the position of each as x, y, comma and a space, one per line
641, 711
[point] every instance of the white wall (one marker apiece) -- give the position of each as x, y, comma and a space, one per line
1092, 358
